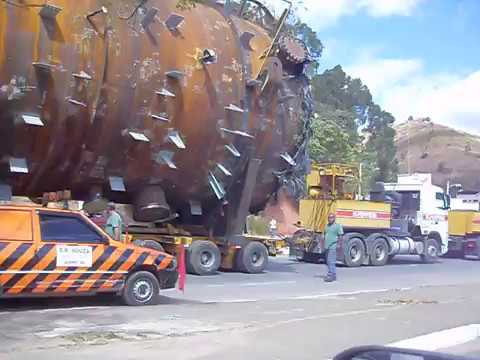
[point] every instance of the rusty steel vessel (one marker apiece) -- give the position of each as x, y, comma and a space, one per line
146, 103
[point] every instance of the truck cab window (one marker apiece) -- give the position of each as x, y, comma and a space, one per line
67, 229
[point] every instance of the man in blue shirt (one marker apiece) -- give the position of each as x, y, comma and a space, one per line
333, 233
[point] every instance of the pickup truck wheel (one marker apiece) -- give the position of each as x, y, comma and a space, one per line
431, 251
141, 288
203, 258
354, 252
149, 244
253, 258
379, 252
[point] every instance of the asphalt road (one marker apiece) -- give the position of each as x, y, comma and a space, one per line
287, 312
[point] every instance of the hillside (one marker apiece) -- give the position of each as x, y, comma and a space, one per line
446, 153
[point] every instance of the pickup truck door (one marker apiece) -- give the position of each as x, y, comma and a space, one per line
78, 254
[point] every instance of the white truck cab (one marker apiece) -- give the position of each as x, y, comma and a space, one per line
425, 205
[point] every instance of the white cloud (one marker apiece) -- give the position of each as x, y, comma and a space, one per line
403, 88
388, 7
320, 14
379, 73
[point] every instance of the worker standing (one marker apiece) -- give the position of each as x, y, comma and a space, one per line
114, 223
333, 234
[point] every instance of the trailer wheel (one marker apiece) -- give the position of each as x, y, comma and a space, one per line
141, 288
149, 244
431, 251
203, 258
354, 252
253, 258
379, 252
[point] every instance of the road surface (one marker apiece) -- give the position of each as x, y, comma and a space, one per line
286, 313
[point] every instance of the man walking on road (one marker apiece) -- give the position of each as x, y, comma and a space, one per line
333, 233
114, 223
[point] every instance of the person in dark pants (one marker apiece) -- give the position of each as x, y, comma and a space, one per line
333, 233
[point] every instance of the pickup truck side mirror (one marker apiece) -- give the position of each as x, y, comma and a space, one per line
390, 353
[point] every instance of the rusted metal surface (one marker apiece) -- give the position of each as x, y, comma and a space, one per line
139, 90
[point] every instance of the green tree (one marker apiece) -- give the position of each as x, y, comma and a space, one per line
364, 132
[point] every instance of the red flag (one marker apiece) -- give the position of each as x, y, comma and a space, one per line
181, 267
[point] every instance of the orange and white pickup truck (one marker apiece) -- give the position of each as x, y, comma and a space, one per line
49, 252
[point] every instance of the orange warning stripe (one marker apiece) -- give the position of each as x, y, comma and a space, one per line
18, 264
126, 266
40, 288
66, 284
88, 284
28, 278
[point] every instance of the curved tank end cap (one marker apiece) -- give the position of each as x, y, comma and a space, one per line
151, 205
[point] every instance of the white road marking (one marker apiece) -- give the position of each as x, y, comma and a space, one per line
441, 339
336, 294
39, 311
328, 316
348, 295
260, 283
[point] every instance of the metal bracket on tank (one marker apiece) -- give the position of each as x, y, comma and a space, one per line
49, 11
175, 74
237, 132
224, 170
234, 108
196, 208
174, 137
82, 75
165, 157
174, 21
233, 150
117, 183
34, 120
286, 156
149, 17
162, 117
164, 92
216, 186
43, 66
138, 136
18, 165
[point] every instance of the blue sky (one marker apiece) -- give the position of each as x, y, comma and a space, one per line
445, 34
418, 57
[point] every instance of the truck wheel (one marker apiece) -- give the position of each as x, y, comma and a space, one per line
431, 251
354, 252
149, 244
203, 258
379, 252
253, 258
141, 288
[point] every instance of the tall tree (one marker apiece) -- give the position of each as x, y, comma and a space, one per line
364, 132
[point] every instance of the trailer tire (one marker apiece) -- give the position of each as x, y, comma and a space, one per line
379, 252
354, 251
203, 258
141, 288
431, 251
149, 244
253, 258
